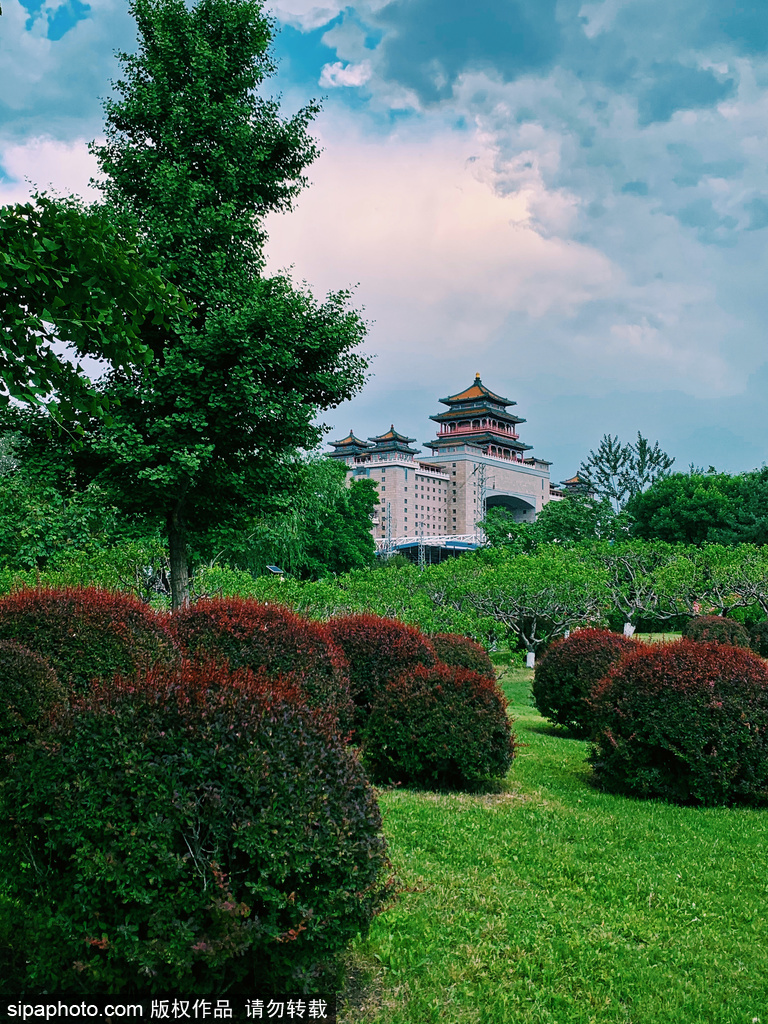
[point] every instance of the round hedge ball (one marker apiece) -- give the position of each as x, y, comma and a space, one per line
568, 670
687, 722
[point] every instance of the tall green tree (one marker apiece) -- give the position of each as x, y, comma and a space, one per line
197, 157
618, 471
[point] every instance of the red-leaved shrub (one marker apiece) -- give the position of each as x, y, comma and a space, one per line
568, 670
87, 633
378, 650
715, 629
462, 652
685, 721
196, 829
249, 634
439, 726
28, 689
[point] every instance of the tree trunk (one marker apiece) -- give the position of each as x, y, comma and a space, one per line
177, 546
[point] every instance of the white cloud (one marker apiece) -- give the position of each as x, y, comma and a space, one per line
442, 259
305, 15
340, 74
46, 164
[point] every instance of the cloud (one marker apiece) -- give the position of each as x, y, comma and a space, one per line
46, 164
53, 86
339, 74
442, 259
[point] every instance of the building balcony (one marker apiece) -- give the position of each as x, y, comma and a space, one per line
446, 431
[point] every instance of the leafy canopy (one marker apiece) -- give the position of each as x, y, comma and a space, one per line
74, 276
197, 158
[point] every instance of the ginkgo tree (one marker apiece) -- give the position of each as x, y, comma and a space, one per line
195, 156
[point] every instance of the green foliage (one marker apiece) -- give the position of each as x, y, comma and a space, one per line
578, 519
535, 597
322, 527
439, 727
86, 634
717, 630
699, 508
270, 637
616, 472
461, 652
502, 530
568, 671
195, 830
759, 638
684, 508
78, 275
378, 650
687, 722
28, 689
43, 523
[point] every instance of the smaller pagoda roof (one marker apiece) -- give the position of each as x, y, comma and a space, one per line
392, 441
348, 447
350, 441
477, 390
574, 481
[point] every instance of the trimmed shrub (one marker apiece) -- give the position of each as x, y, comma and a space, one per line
86, 634
378, 650
568, 670
462, 652
439, 726
196, 829
714, 629
252, 635
686, 721
759, 638
28, 689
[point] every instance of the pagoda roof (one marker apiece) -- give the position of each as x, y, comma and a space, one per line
574, 481
477, 390
392, 441
350, 441
392, 435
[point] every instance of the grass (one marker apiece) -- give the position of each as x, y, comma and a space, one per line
553, 903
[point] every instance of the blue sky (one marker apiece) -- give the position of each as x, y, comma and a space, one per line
569, 198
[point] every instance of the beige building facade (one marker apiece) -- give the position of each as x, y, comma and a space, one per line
477, 462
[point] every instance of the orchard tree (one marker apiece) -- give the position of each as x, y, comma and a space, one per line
658, 581
197, 158
538, 597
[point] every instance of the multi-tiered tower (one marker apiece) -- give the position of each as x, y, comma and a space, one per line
477, 462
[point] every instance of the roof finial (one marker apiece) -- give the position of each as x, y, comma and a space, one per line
477, 376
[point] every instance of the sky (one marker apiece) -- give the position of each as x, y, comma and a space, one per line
568, 198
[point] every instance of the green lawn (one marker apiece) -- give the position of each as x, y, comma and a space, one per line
551, 902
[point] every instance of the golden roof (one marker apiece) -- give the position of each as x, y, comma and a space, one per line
474, 391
